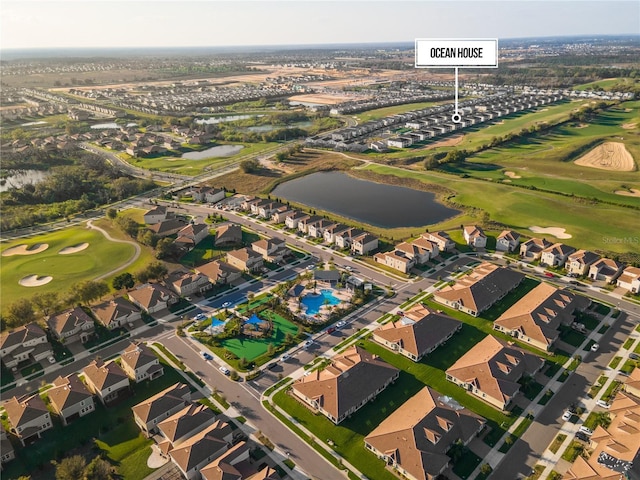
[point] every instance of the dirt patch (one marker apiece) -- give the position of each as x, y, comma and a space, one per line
632, 192
608, 156
582, 125
544, 110
554, 231
74, 249
629, 126
448, 142
319, 98
34, 280
25, 249
512, 175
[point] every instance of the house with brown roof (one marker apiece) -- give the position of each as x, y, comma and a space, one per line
395, 259
491, 369
167, 227
188, 421
153, 297
442, 239
474, 236
532, 249
280, 216
155, 214
417, 333
158, 408
116, 313
415, 439
70, 398
615, 450
107, 380
307, 220
291, 221
536, 317
236, 464
191, 235
507, 241
317, 229
268, 209
245, 259
140, 363
201, 449
188, 283
27, 343
219, 272
351, 380
479, 290
606, 269
71, 325
556, 255
578, 263
28, 417
273, 250
632, 384
332, 230
363, 244
229, 234
630, 279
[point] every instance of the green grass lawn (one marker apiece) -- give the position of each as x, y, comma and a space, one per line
574, 449
206, 250
510, 299
571, 336
627, 344
557, 442
615, 362
467, 464
100, 257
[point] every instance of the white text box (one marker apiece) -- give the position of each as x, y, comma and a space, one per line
456, 52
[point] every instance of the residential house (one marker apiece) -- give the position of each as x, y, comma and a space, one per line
201, 449
578, 263
507, 241
27, 343
396, 259
7, 452
474, 236
331, 231
149, 413
417, 332
364, 244
415, 439
273, 250
140, 363
630, 279
556, 255
28, 418
229, 234
306, 220
256, 206
344, 239
245, 259
70, 398
326, 277
208, 194
442, 239
188, 421
476, 292
317, 229
188, 283
191, 235
536, 317
224, 467
632, 385
351, 380
265, 211
153, 297
107, 380
71, 325
219, 272
167, 227
605, 269
116, 313
491, 370
532, 249
280, 216
155, 215
292, 220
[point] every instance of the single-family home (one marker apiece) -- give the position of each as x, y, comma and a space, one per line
207, 194
476, 292
344, 239
70, 398
532, 249
536, 318
27, 343
474, 236
630, 279
507, 241
149, 413
578, 263
606, 269
116, 313
351, 380
292, 220
491, 369
364, 244
228, 234
191, 235
245, 259
632, 385
415, 439
395, 259
224, 467
167, 227
188, 421
273, 250
280, 216
7, 453
155, 215
417, 332
306, 220
317, 229
188, 283
331, 231
28, 417
219, 272
442, 239
267, 209
107, 380
140, 363
153, 297
71, 325
556, 255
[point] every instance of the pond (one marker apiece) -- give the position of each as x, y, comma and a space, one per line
18, 178
228, 118
218, 151
386, 206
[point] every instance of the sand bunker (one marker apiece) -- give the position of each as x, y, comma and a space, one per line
25, 250
608, 156
629, 126
512, 175
74, 249
34, 280
554, 231
632, 192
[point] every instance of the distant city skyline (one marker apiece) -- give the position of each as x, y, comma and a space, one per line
157, 23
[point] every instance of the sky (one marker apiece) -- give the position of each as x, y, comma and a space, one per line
174, 23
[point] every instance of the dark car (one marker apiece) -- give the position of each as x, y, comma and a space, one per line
582, 436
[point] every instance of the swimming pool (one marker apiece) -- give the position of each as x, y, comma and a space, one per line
314, 302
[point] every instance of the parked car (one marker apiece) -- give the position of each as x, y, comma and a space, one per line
549, 274
566, 416
331, 330
307, 344
585, 430
602, 403
634, 356
199, 316
595, 347
582, 436
226, 304
206, 356
51, 359
285, 357
341, 324
225, 370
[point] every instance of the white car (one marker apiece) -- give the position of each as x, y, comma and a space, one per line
586, 430
602, 403
307, 344
595, 347
341, 324
51, 359
226, 304
225, 370
349, 268
285, 357
566, 416
310, 267
199, 316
